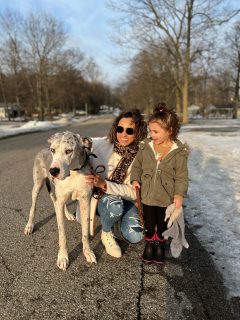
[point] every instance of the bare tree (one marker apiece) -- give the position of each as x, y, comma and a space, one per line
11, 48
3, 90
91, 70
150, 79
233, 50
44, 39
37, 70
173, 24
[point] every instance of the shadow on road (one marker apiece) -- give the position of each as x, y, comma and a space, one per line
44, 221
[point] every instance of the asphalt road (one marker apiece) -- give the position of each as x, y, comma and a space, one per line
33, 288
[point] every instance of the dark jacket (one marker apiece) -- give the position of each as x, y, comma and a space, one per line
161, 180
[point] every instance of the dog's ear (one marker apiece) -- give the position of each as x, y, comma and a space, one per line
54, 137
82, 141
87, 143
77, 138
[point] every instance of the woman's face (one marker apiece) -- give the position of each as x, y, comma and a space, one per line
124, 138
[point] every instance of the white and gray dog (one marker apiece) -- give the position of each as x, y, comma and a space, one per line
64, 166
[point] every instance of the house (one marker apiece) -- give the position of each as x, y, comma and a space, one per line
10, 111
3, 113
194, 112
219, 112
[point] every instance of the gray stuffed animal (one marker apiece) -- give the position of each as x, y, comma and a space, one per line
176, 230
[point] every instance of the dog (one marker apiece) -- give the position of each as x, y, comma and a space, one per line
63, 167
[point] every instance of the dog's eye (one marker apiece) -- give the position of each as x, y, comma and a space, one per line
52, 150
68, 151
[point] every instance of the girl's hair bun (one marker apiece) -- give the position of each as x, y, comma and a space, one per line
160, 107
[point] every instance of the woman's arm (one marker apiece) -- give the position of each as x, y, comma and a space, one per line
124, 190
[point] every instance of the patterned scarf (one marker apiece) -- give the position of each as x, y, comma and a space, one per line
128, 153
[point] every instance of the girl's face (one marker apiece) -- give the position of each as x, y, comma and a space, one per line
158, 134
125, 132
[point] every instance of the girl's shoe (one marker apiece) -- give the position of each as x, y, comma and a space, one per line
148, 253
159, 252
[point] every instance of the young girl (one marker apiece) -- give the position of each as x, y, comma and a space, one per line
160, 172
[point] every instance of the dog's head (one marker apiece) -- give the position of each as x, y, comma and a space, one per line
68, 152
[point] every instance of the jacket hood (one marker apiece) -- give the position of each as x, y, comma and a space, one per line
182, 148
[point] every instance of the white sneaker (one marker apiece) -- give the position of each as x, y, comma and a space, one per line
110, 244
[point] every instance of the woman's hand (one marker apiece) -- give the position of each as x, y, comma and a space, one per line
95, 180
136, 185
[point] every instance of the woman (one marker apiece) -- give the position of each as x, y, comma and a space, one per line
116, 205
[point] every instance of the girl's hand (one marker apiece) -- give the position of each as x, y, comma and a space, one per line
178, 200
136, 185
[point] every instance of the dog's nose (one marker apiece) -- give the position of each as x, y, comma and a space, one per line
54, 171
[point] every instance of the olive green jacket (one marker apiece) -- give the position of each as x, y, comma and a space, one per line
161, 180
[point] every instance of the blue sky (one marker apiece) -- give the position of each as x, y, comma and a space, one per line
88, 25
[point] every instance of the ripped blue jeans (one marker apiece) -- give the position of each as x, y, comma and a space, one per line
112, 209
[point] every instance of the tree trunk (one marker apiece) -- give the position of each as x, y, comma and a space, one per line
4, 96
185, 98
73, 106
187, 62
46, 96
39, 100
178, 103
236, 94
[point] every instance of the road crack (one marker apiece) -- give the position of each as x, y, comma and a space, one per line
140, 292
5, 265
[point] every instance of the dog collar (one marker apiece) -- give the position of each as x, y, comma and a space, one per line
86, 161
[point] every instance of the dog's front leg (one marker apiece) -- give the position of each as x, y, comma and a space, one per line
62, 260
35, 192
85, 213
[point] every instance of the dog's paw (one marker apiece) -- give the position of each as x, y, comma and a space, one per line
62, 261
69, 216
90, 256
28, 229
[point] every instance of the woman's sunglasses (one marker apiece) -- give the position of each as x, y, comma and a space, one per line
129, 131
